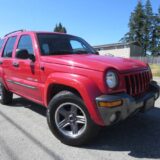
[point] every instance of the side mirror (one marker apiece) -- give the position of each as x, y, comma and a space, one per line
23, 54
97, 51
32, 58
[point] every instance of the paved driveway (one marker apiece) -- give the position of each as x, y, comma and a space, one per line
24, 135
157, 79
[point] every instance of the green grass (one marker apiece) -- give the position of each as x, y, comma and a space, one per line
155, 69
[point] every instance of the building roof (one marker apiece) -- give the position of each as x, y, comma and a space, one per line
116, 45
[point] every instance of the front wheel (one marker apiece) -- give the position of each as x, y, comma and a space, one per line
69, 119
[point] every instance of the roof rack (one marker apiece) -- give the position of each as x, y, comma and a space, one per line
20, 30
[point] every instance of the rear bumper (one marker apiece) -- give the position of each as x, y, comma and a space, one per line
130, 105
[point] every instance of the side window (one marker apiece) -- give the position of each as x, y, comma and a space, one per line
25, 43
45, 49
76, 45
8, 50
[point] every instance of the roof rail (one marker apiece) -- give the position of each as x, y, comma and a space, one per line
20, 30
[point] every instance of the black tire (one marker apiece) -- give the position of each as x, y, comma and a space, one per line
6, 96
88, 130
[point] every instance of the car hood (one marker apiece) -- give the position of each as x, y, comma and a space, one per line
96, 62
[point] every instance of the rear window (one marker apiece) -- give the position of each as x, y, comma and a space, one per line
1, 43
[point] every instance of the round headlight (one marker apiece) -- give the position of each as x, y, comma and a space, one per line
111, 79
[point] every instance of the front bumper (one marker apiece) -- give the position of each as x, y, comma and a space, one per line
130, 105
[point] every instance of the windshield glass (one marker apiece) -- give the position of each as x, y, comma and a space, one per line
60, 44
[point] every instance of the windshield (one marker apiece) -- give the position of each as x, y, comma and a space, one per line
60, 44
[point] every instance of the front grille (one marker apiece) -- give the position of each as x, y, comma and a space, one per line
137, 83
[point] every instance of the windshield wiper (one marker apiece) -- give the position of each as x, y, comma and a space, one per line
69, 52
60, 52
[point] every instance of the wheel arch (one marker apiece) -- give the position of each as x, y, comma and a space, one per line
55, 88
80, 85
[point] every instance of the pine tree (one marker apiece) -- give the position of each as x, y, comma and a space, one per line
158, 31
56, 28
144, 28
136, 25
148, 26
129, 36
60, 28
155, 43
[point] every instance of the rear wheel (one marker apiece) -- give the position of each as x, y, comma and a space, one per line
69, 119
5, 95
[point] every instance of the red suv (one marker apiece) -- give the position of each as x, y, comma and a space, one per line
81, 90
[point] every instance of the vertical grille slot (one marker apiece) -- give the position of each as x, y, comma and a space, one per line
140, 82
128, 88
137, 83
133, 84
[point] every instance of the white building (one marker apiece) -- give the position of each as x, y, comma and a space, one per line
125, 50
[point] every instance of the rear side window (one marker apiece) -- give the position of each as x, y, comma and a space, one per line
8, 50
25, 42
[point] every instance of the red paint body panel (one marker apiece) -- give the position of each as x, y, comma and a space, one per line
85, 73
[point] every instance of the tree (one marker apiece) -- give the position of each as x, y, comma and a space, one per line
136, 25
154, 37
155, 42
60, 28
158, 31
148, 26
129, 36
144, 28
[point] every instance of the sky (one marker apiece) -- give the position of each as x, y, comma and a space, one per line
97, 21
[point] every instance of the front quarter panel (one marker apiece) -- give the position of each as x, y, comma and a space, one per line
86, 87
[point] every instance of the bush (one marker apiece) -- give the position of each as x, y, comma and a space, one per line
155, 69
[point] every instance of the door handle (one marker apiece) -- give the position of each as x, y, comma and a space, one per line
15, 64
1, 62
42, 68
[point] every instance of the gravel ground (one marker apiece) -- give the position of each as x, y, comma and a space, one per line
24, 135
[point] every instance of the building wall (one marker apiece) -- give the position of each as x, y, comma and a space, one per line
120, 52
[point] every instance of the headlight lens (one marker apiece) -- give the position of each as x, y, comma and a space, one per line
111, 79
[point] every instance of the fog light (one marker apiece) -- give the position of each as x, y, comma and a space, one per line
113, 117
110, 104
